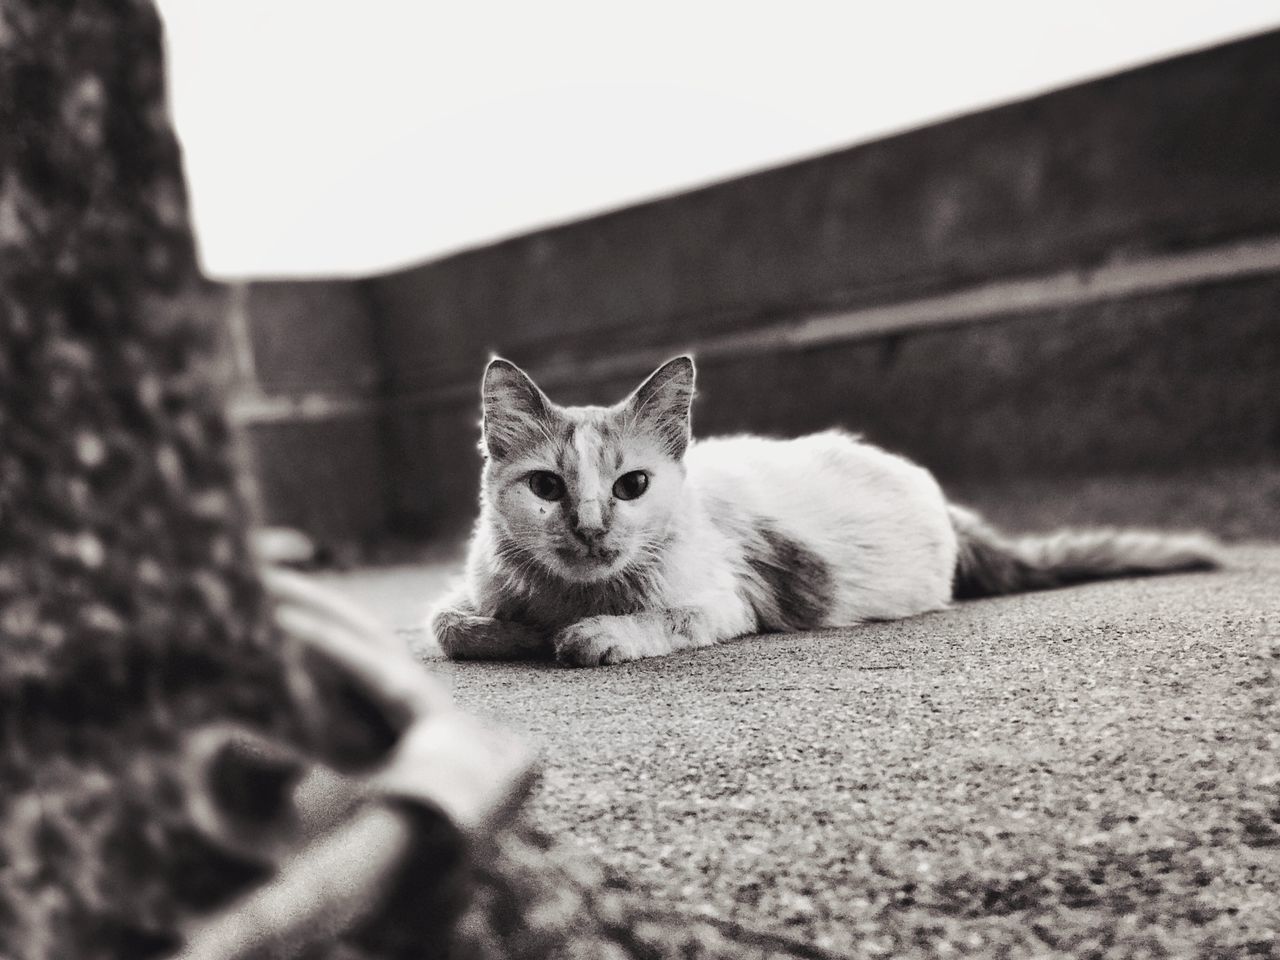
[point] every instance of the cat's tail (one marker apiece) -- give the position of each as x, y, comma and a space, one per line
990, 563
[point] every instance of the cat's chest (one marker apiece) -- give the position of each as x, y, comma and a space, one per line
553, 605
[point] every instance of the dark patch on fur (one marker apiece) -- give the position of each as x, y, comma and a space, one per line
568, 470
986, 568
798, 583
564, 444
608, 430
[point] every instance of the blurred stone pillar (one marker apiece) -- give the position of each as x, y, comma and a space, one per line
131, 615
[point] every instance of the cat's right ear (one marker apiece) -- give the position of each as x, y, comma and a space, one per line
664, 403
514, 408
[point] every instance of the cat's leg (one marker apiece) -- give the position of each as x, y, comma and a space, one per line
463, 634
595, 641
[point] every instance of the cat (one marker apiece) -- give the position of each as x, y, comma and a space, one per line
606, 534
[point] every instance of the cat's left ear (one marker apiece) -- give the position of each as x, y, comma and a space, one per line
664, 403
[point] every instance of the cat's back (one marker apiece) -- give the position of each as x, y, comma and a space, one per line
877, 520
771, 472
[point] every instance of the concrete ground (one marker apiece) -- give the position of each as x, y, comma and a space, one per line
1084, 772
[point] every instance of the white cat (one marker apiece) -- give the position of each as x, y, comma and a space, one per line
605, 534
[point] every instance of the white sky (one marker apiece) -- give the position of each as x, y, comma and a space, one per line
347, 138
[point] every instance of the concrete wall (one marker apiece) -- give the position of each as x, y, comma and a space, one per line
310, 401
1084, 282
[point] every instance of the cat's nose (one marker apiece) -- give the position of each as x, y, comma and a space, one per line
588, 521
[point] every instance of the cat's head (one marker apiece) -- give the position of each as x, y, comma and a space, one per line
585, 492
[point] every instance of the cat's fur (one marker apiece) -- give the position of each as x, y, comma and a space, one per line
733, 536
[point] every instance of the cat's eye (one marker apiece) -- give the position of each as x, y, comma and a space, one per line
631, 485
546, 485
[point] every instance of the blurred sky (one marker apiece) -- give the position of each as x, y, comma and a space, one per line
344, 138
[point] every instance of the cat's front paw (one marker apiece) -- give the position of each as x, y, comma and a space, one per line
596, 642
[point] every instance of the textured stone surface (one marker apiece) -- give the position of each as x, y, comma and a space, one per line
1088, 772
